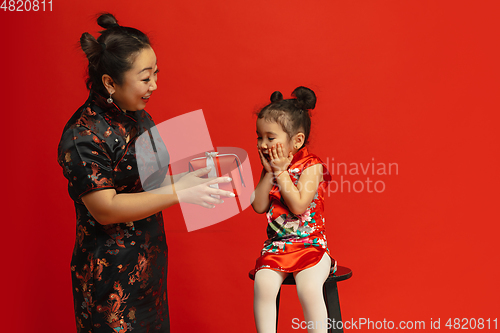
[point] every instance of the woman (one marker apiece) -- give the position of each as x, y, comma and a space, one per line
119, 263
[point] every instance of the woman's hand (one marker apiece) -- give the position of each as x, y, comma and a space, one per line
108, 207
193, 189
279, 162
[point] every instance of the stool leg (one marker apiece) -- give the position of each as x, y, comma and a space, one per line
277, 308
331, 296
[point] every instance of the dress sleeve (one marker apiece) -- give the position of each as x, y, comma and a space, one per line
312, 160
85, 161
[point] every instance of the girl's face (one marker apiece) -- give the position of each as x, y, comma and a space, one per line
138, 83
269, 134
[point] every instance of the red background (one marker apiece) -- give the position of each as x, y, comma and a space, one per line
409, 82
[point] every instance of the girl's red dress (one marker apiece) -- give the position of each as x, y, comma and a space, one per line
296, 242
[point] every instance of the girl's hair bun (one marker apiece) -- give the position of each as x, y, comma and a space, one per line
107, 21
276, 97
292, 114
306, 98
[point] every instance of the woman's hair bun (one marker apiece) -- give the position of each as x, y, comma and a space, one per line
90, 46
306, 98
276, 97
107, 21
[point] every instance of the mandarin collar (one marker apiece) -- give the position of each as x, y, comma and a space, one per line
299, 155
102, 102
111, 108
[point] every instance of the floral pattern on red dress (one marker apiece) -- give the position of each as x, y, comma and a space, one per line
296, 241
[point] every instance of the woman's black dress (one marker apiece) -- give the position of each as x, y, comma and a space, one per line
119, 271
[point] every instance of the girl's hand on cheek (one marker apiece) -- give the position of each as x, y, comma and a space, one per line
264, 161
279, 162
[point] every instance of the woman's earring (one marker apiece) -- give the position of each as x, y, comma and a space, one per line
110, 100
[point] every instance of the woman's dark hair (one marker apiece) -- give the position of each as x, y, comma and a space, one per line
113, 52
292, 114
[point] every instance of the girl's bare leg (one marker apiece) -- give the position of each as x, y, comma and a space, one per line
266, 286
310, 291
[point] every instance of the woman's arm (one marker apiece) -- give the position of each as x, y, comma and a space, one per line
177, 177
171, 179
108, 207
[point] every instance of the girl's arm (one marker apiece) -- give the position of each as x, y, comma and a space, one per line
108, 207
260, 197
298, 198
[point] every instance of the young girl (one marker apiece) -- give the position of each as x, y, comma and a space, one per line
291, 193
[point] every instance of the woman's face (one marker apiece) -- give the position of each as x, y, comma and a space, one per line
138, 83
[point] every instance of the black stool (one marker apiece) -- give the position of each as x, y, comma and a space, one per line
330, 294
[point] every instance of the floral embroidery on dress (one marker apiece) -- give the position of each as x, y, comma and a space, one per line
96, 148
291, 234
